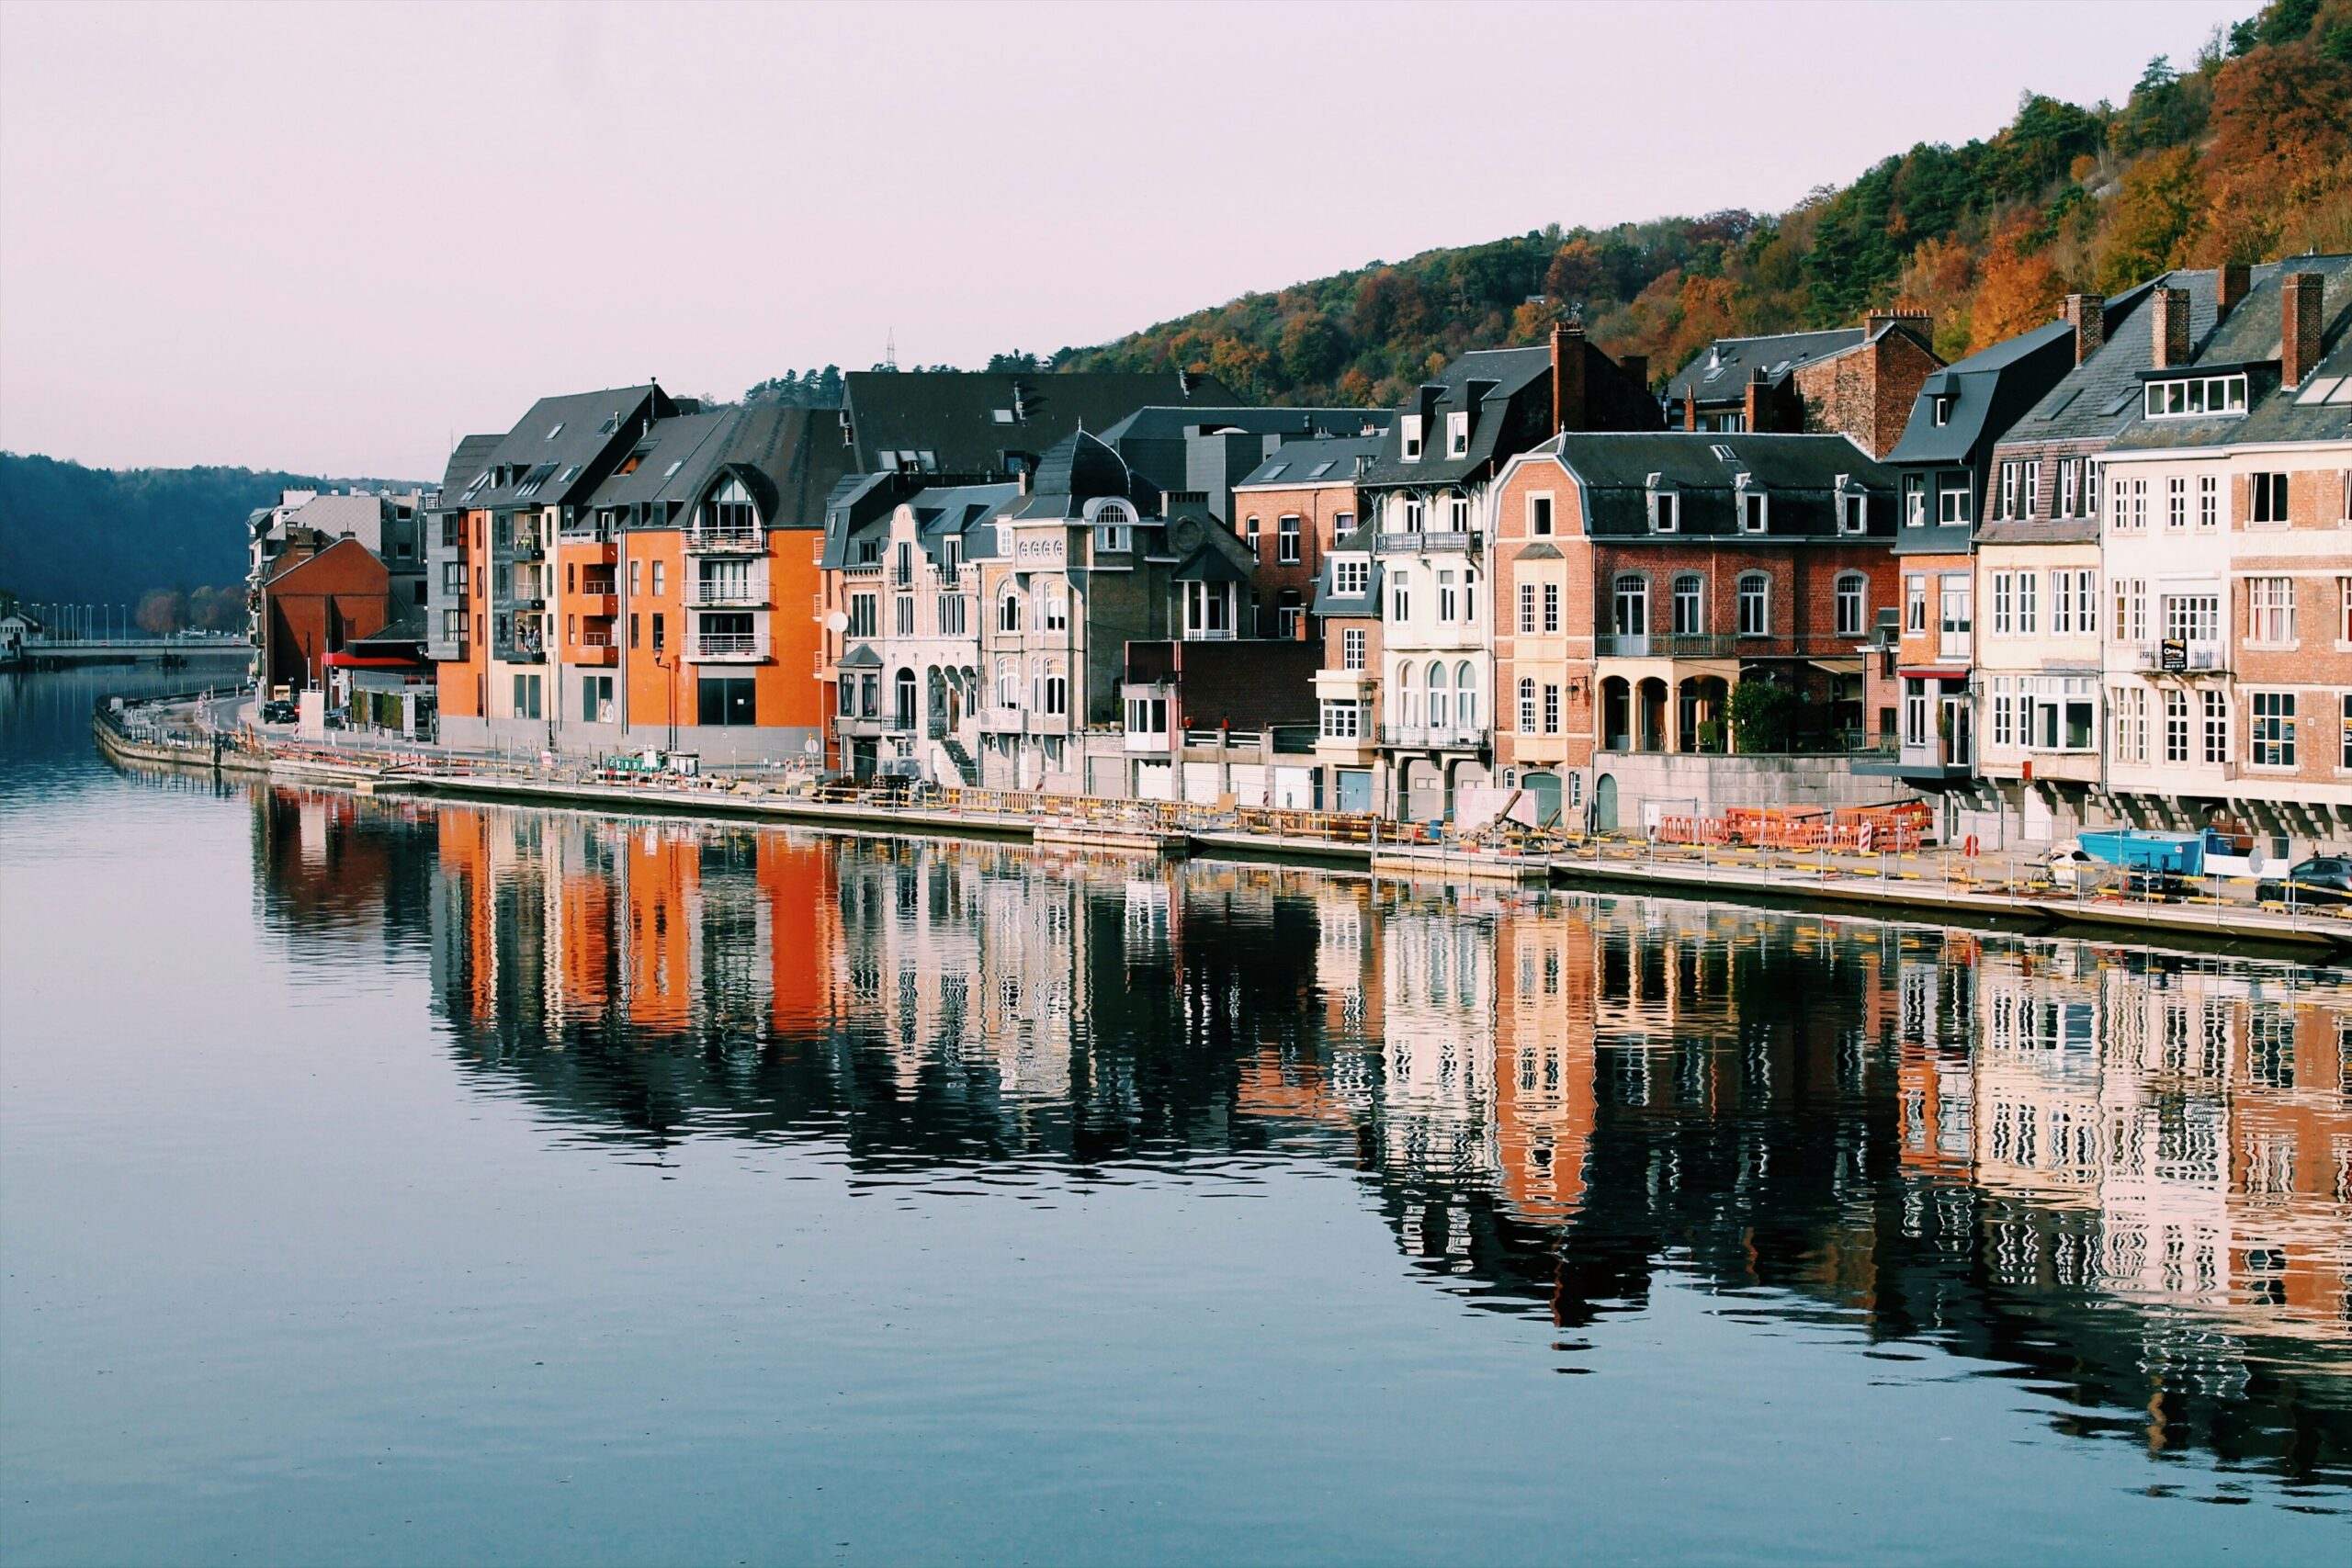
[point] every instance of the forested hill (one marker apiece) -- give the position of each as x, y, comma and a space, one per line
2241, 155
108, 535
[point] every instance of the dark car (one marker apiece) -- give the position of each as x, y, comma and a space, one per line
2324, 879
279, 712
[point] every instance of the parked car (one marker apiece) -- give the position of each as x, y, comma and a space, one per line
279, 712
2323, 879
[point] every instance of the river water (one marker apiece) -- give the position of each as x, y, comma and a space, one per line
391, 1181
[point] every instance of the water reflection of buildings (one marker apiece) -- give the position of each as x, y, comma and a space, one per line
2132, 1175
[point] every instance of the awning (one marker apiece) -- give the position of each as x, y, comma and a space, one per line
360, 662
1934, 673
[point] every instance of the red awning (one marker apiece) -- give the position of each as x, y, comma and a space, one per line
1933, 675
356, 661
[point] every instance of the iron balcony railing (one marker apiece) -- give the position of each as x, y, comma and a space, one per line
712, 537
706, 593
1722, 645
1451, 736
1428, 542
730, 645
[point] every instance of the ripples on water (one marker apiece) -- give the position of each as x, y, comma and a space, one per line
2113, 1179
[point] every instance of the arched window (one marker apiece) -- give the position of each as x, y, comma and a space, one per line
1008, 684
1526, 705
1008, 611
1633, 604
905, 685
730, 509
1113, 514
1438, 695
1689, 605
1853, 603
1755, 604
1409, 698
1465, 695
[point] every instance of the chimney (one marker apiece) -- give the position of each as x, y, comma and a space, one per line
1636, 367
2170, 324
1568, 377
1918, 323
2234, 280
1689, 408
2299, 302
1759, 400
2087, 313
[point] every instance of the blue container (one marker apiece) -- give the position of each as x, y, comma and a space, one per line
2171, 854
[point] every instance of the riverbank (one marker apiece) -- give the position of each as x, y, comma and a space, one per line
1934, 886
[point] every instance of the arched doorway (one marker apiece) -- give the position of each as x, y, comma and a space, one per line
1544, 792
1604, 803
1616, 715
904, 696
1652, 737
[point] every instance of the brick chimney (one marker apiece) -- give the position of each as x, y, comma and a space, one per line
1569, 411
2234, 281
2087, 313
2299, 302
1689, 408
1759, 400
2170, 323
1919, 323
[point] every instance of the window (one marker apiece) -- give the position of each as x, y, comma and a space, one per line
2004, 604
1008, 612
2269, 498
2344, 609
2003, 723
1915, 603
1148, 715
1055, 700
2273, 739
724, 700
2270, 610
2029, 605
1465, 695
635, 581
1915, 712
1956, 605
1755, 604
1117, 539
2344, 728
1342, 524
453, 625
1539, 516
659, 573
2007, 506
1287, 616
1287, 547
1754, 508
1350, 578
1457, 434
2031, 495
1854, 510
950, 613
1666, 511
2131, 609
2069, 500
1352, 648
1527, 607
1416, 513
1526, 706
632, 630
1438, 690
2131, 506
2217, 725
2085, 597
2130, 737
1915, 500
453, 580
2176, 725
2195, 396
1446, 603
526, 697
1056, 617
2191, 618
1343, 718
1940, 409
2208, 500
1400, 599
1551, 710
1953, 499
1689, 605
1458, 513
2175, 502
1252, 532
1853, 594
1633, 605
1008, 684
1409, 431
903, 614
1551, 607
659, 641
861, 614
1208, 609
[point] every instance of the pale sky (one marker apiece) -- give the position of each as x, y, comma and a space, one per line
324, 238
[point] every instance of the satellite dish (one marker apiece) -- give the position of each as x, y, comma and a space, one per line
837, 622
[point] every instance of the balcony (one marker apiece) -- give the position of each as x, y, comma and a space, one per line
1721, 645
730, 648
594, 654
601, 606
1452, 542
710, 595
711, 539
2188, 657
1435, 737
860, 727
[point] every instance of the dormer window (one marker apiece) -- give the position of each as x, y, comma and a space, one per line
1853, 507
1939, 408
1457, 434
1754, 507
1410, 427
1112, 527
2195, 395
1350, 577
1666, 506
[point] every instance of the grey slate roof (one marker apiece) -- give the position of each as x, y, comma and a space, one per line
963, 512
954, 416
470, 456
1721, 373
1161, 421
1798, 473
1298, 464
1506, 374
2098, 399
860, 655
1364, 604
1989, 389
2249, 336
565, 446
1081, 467
787, 458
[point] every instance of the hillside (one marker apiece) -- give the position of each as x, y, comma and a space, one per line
108, 536
2246, 155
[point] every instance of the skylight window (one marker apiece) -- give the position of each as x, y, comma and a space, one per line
1277, 471
2321, 387
556, 431
1319, 470
611, 422
1723, 454
672, 471
1003, 417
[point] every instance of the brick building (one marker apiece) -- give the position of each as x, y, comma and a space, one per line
1289, 512
1858, 381
320, 596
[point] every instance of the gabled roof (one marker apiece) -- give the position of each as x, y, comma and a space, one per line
1367, 602
1798, 474
787, 458
1298, 465
558, 452
2098, 398
1499, 376
1722, 371
964, 511
470, 456
1987, 390
1209, 564
968, 419
860, 655
2320, 409
1161, 422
